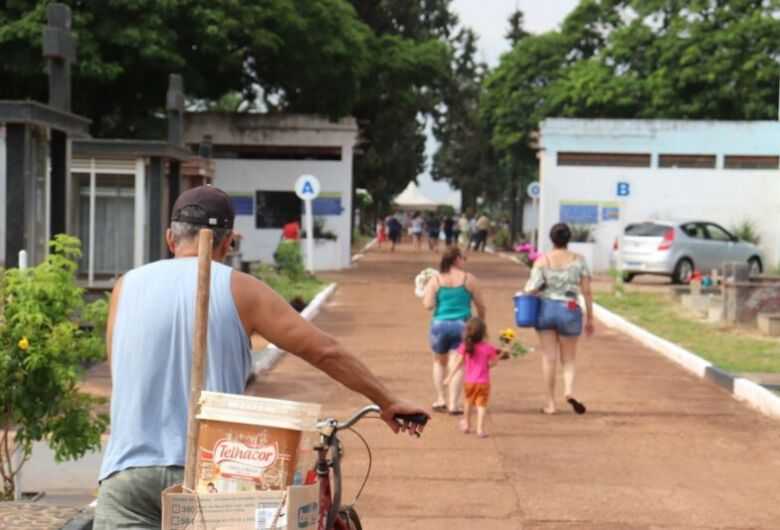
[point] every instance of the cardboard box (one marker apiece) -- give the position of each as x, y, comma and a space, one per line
253, 510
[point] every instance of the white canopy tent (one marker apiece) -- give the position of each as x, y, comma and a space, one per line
413, 199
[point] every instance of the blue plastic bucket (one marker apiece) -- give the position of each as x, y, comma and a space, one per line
526, 310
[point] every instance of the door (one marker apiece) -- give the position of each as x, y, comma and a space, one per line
696, 246
114, 224
721, 246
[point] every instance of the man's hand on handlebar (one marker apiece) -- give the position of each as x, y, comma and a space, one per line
401, 417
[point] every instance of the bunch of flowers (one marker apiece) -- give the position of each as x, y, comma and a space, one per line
510, 346
421, 280
528, 254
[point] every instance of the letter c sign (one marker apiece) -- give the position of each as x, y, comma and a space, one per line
623, 189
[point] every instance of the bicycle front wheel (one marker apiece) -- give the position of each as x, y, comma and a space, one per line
349, 518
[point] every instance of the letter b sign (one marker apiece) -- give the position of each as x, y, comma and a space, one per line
623, 189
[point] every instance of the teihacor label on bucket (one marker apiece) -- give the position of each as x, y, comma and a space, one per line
242, 460
247, 443
234, 457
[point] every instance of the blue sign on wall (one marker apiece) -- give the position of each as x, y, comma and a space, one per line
326, 206
573, 213
610, 213
623, 189
243, 205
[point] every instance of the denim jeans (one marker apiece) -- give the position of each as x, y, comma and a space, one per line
132, 499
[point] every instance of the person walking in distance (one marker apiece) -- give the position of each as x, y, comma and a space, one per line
464, 234
559, 278
393, 231
381, 233
448, 225
450, 294
149, 338
483, 223
478, 356
417, 230
474, 233
432, 227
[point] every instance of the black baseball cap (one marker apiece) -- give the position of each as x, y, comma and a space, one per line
216, 208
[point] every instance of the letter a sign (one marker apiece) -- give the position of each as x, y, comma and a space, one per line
307, 187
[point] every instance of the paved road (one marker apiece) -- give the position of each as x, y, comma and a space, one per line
658, 447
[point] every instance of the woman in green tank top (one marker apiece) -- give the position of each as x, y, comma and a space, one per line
450, 295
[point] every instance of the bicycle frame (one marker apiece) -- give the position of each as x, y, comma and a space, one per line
330, 501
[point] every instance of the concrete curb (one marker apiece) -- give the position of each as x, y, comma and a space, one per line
763, 400
267, 357
371, 244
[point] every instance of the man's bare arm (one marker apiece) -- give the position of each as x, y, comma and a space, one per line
264, 312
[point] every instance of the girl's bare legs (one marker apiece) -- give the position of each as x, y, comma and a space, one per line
568, 353
549, 343
439, 372
465, 423
456, 385
481, 413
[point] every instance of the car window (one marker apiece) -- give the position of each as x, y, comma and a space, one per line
647, 230
693, 230
717, 233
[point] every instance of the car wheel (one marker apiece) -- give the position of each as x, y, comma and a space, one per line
683, 271
754, 267
628, 276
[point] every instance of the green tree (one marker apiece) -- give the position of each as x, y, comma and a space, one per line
306, 55
47, 335
700, 59
465, 156
409, 61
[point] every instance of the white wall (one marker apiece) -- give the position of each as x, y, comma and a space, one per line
725, 196
244, 176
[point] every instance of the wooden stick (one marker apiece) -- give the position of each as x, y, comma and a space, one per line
199, 353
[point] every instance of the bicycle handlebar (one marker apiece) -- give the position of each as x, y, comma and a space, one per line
420, 419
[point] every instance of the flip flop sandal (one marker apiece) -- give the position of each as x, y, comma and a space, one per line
457, 412
483, 435
439, 407
463, 426
543, 411
578, 407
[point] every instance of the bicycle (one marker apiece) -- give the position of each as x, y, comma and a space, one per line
333, 516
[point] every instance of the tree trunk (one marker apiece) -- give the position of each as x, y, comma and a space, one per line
512, 207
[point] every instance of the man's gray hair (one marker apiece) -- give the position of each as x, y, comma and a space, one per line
186, 232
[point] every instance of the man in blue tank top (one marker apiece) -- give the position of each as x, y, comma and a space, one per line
149, 342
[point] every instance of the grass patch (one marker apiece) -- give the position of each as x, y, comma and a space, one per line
725, 345
359, 241
305, 287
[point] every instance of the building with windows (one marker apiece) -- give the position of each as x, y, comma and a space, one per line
603, 173
257, 159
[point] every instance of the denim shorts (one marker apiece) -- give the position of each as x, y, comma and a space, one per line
446, 335
555, 315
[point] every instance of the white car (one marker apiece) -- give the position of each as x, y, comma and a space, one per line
678, 248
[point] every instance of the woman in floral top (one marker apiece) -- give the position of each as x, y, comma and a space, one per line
559, 278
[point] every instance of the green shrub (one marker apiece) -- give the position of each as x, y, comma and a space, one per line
582, 233
501, 239
304, 287
747, 231
47, 335
289, 260
320, 232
